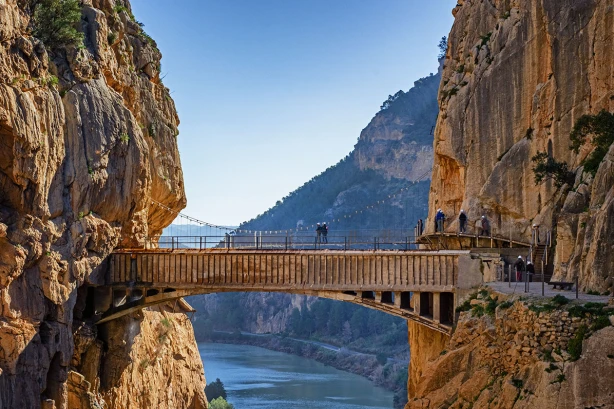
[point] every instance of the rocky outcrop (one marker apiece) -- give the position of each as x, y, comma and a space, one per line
518, 358
87, 137
397, 141
517, 76
162, 354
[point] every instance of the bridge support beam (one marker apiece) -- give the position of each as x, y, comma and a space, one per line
436, 308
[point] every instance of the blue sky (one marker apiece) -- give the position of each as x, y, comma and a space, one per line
272, 92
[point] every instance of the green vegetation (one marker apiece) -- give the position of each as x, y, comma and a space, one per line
517, 383
151, 129
485, 39
124, 137
215, 390
600, 322
505, 305
443, 47
575, 344
546, 167
560, 300
601, 127
55, 23
120, 8
111, 37
559, 378
220, 403
461, 68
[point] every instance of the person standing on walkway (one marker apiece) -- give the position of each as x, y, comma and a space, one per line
535, 231
439, 221
324, 233
318, 232
530, 270
519, 266
485, 231
462, 221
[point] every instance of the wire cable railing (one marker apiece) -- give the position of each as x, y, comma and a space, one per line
355, 241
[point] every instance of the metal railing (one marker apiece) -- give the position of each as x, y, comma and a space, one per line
285, 242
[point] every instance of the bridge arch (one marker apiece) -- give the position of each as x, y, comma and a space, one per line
423, 286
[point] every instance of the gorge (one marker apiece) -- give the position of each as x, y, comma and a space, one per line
89, 140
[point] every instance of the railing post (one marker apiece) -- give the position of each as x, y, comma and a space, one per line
374, 243
406, 243
526, 281
172, 243
200, 243
286, 242
345, 243
509, 275
576, 287
543, 277
315, 243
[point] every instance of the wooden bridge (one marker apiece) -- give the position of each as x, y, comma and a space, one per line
420, 285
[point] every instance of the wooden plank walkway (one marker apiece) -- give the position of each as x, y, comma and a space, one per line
287, 270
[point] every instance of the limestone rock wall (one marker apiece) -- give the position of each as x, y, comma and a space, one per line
518, 359
517, 76
87, 136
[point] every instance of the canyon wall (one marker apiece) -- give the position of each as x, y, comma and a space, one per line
520, 355
88, 135
518, 75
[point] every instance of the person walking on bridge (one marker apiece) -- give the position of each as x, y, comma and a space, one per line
324, 233
318, 232
462, 221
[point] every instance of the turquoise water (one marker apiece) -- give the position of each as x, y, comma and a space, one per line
256, 378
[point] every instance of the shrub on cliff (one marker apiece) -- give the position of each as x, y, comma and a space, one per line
55, 23
601, 126
546, 167
220, 403
215, 390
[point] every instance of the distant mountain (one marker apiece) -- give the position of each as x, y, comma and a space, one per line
394, 152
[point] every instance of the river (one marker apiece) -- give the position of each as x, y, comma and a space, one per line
256, 378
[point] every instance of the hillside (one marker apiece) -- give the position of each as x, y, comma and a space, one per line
393, 152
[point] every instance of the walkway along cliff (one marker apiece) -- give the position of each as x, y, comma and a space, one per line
88, 133
517, 77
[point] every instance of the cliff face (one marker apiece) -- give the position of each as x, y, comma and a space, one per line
397, 141
517, 77
519, 358
88, 135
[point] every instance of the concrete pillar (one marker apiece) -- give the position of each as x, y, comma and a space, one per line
397, 299
416, 302
436, 307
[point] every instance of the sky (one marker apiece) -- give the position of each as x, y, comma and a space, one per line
272, 92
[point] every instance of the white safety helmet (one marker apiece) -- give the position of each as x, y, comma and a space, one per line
317, 224
483, 217
520, 257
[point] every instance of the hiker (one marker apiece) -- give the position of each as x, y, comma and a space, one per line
530, 270
519, 265
318, 232
324, 232
485, 229
462, 220
535, 231
439, 219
